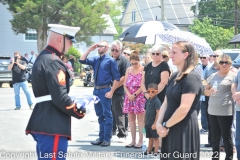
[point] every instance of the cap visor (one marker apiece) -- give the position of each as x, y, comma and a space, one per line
74, 40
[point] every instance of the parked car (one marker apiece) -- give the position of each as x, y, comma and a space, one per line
233, 53
5, 74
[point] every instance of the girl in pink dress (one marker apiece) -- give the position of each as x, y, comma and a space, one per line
134, 99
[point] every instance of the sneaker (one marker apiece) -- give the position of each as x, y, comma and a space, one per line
122, 139
17, 108
203, 131
31, 106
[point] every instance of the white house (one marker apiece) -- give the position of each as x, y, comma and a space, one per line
25, 43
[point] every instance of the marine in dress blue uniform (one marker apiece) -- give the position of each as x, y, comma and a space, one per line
50, 122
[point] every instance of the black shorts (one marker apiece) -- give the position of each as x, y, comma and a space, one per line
150, 133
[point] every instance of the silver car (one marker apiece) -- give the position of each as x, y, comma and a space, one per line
5, 74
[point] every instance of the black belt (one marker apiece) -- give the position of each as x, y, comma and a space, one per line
101, 87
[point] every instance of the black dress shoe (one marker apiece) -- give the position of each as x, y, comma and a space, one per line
207, 145
105, 144
97, 142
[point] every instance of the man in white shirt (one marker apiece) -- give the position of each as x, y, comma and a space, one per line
32, 57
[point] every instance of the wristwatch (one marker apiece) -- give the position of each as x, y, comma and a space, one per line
165, 125
135, 94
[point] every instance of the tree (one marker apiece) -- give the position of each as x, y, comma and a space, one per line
217, 37
76, 54
37, 14
141, 48
116, 15
220, 11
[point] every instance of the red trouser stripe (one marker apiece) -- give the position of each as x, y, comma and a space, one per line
55, 147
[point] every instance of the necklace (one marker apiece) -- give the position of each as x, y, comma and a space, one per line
152, 70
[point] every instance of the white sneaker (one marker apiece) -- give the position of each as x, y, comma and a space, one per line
122, 140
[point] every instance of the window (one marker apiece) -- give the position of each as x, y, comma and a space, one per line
31, 36
133, 16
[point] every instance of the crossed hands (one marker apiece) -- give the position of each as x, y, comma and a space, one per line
236, 97
162, 131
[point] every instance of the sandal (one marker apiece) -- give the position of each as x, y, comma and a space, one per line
130, 146
137, 147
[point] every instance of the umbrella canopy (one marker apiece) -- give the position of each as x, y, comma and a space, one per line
235, 39
199, 44
145, 32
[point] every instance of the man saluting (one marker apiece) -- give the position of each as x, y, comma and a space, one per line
50, 122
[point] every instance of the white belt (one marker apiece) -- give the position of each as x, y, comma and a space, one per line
43, 98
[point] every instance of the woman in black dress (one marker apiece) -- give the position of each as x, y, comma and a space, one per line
177, 121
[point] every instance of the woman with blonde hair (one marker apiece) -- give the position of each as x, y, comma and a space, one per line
134, 99
221, 106
177, 120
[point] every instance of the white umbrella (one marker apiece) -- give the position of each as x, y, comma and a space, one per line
199, 44
145, 32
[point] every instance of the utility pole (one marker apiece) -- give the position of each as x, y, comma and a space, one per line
162, 10
236, 20
196, 10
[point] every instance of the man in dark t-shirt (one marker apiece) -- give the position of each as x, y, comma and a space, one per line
19, 78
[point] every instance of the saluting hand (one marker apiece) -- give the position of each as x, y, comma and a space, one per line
93, 47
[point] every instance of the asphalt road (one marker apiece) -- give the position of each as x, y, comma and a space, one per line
14, 144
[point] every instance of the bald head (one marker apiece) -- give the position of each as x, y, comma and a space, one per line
57, 41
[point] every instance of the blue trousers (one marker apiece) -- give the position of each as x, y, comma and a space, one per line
104, 113
51, 147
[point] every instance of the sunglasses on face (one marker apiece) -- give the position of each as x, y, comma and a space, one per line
152, 91
134, 63
114, 50
223, 62
100, 46
203, 57
215, 56
126, 53
157, 54
164, 56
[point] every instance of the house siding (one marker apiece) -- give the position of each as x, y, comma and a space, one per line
10, 42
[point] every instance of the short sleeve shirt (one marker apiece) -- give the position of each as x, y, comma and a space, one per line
221, 104
18, 75
237, 82
151, 106
153, 75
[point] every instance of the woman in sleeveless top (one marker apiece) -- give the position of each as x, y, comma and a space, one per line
134, 99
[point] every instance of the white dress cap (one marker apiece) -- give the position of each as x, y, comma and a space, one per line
65, 30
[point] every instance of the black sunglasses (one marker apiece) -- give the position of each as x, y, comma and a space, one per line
223, 62
157, 54
164, 56
203, 57
114, 50
215, 56
153, 91
100, 46
126, 53
134, 63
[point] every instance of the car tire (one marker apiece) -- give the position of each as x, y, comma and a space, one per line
10, 84
85, 84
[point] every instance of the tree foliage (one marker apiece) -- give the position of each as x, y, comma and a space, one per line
217, 37
141, 48
220, 11
37, 14
76, 54
116, 15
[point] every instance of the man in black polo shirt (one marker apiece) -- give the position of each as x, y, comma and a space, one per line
19, 78
118, 96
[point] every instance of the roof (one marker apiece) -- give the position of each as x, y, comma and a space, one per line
176, 12
110, 28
